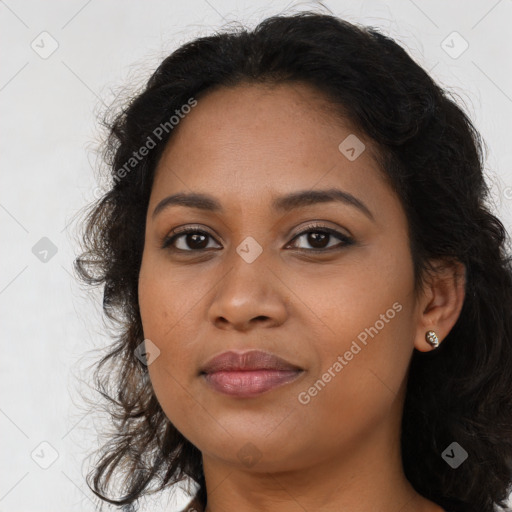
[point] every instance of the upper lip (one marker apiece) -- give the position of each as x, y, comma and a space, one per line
248, 360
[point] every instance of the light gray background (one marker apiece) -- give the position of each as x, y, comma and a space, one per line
49, 133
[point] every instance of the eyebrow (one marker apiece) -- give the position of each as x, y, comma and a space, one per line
285, 203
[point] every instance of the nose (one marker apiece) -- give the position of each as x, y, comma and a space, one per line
249, 295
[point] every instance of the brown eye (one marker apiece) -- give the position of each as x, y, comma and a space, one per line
191, 240
319, 238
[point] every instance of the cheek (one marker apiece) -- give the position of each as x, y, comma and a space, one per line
171, 372
359, 383
171, 389
166, 314
167, 296
366, 321
356, 301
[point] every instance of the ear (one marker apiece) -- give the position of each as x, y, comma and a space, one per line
441, 301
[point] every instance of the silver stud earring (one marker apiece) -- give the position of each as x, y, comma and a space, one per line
432, 339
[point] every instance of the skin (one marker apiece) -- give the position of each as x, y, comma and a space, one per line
247, 145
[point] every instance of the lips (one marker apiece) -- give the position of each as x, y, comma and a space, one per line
246, 361
249, 373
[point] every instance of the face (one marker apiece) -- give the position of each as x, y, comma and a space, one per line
324, 284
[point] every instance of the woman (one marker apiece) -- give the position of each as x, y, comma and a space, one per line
314, 300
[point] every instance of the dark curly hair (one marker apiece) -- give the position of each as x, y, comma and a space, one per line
432, 156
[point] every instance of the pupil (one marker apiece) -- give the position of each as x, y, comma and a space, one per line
195, 237
317, 239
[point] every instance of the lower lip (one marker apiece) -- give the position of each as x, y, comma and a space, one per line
249, 383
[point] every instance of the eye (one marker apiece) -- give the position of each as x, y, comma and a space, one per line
193, 238
319, 236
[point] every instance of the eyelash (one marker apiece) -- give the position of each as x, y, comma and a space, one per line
314, 228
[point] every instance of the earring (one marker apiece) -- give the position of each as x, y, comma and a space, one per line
432, 339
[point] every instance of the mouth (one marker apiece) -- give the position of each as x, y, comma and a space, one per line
248, 373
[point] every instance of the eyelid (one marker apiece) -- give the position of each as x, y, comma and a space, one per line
320, 227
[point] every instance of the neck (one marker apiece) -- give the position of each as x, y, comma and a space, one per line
363, 477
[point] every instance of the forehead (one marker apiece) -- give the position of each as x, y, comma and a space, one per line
258, 139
